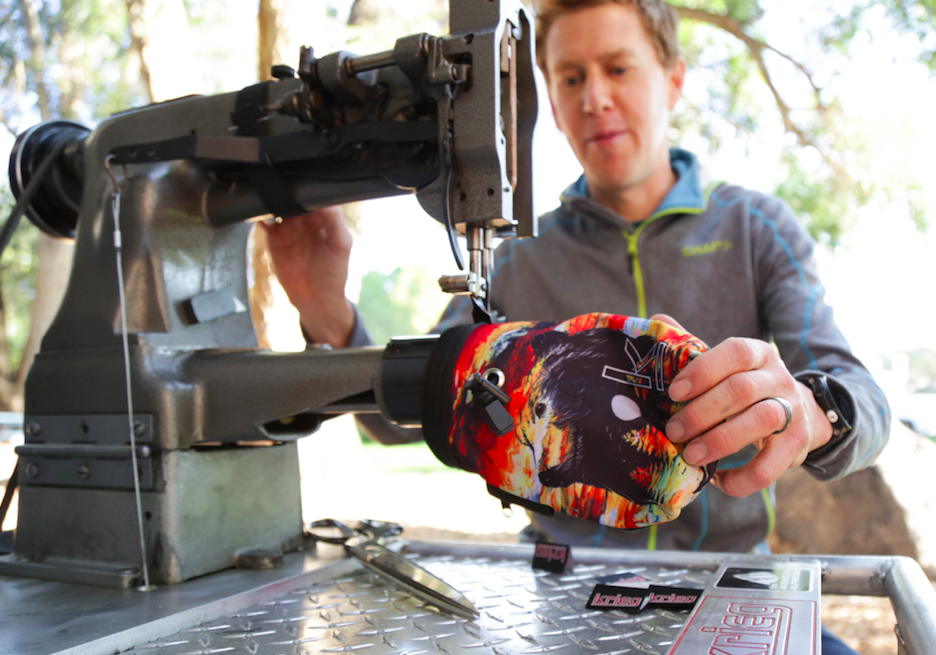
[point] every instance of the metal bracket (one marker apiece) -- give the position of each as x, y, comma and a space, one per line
440, 71
86, 451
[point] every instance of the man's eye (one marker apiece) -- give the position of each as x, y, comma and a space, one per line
570, 81
617, 71
540, 409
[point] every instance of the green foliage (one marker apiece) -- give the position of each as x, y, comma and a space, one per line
375, 25
827, 209
916, 17
81, 63
404, 458
751, 86
404, 303
923, 368
77, 68
17, 282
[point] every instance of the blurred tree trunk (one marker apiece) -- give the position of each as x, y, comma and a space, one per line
37, 55
162, 40
272, 42
55, 263
159, 35
275, 321
55, 257
6, 387
273, 38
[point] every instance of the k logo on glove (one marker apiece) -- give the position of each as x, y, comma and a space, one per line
566, 415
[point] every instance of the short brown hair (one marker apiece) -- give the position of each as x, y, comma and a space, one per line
659, 20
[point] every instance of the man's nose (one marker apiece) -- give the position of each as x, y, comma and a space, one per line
597, 95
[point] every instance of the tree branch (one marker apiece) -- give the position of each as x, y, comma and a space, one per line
30, 19
756, 48
135, 12
7, 16
5, 121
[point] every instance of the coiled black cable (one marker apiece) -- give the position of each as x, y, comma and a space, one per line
6, 233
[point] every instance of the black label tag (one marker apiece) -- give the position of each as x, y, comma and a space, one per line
608, 597
673, 598
780, 579
552, 557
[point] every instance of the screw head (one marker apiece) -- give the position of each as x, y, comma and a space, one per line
33, 428
84, 472
32, 470
139, 429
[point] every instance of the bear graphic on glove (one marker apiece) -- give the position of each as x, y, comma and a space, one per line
589, 402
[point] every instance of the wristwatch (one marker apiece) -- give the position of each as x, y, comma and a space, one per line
826, 400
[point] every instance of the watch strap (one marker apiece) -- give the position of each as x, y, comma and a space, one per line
836, 411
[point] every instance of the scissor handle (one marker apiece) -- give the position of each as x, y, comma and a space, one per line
369, 528
346, 532
379, 529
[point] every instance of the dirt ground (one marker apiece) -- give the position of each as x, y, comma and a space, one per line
342, 479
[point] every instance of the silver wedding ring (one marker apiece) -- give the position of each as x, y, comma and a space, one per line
787, 410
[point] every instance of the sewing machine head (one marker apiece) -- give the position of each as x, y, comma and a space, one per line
447, 118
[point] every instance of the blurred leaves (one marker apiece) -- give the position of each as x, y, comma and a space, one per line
18, 275
375, 25
63, 59
923, 369
752, 84
77, 68
915, 17
404, 303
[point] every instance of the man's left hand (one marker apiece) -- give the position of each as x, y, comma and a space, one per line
733, 388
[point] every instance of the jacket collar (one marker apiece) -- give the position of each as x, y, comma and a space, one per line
686, 196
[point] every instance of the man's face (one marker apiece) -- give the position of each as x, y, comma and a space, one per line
610, 94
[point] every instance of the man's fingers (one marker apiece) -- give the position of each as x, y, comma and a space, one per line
776, 457
757, 424
669, 320
727, 398
731, 356
301, 234
730, 436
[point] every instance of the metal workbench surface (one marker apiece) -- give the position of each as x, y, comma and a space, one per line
325, 603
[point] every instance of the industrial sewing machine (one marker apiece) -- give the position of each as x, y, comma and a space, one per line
447, 118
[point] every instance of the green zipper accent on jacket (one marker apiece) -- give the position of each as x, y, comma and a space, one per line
710, 189
633, 256
771, 514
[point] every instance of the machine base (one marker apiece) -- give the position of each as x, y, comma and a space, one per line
113, 576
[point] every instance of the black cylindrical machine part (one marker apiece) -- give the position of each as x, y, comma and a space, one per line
437, 392
403, 377
55, 207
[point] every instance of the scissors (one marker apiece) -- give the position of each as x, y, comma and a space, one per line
366, 543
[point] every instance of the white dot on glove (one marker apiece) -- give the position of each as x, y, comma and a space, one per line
625, 408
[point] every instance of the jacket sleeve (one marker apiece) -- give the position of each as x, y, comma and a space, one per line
793, 308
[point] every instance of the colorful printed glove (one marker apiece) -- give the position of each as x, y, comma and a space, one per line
566, 415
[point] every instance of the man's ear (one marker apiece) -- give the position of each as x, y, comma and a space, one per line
677, 75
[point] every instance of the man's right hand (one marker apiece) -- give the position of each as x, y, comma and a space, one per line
310, 257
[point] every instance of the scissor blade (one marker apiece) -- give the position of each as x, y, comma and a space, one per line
411, 577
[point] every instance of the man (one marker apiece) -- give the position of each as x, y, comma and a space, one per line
637, 235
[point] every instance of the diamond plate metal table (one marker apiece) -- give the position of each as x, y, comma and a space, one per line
522, 611
324, 603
